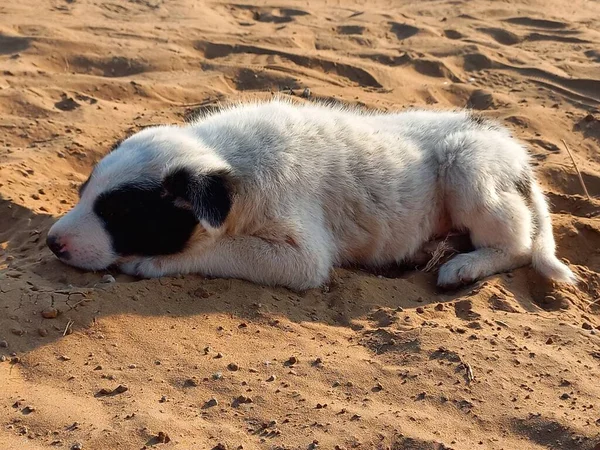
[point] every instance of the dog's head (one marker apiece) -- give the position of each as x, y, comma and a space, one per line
145, 198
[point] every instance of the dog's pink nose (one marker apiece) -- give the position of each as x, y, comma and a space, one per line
57, 246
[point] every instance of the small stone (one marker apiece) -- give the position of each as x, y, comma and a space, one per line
212, 402
587, 326
439, 307
244, 399
163, 437
2, 358
549, 341
132, 366
108, 278
15, 360
28, 410
163, 399
220, 446
480, 99
190, 382
420, 310
378, 387
293, 360
233, 367
120, 389
50, 313
207, 350
17, 331
318, 361
64, 358
336, 384
272, 378
42, 332
219, 355
77, 446
217, 376
565, 396
3, 344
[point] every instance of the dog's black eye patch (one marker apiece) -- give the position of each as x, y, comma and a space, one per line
141, 221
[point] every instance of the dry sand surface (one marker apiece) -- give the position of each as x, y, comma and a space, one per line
373, 361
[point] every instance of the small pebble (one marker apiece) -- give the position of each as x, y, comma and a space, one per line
233, 367
549, 341
272, 378
42, 332
3, 344
244, 399
587, 326
163, 437
50, 313
420, 310
108, 278
190, 382
293, 360
212, 402
439, 307
77, 446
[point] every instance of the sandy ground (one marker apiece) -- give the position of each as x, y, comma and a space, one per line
373, 361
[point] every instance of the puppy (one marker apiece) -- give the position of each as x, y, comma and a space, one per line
278, 194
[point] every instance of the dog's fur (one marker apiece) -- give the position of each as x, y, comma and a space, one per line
279, 194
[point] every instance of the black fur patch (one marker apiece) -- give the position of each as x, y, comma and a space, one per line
483, 121
142, 221
208, 195
523, 186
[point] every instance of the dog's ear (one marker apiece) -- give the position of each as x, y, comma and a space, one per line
209, 196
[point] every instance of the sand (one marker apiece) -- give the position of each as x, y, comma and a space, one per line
372, 361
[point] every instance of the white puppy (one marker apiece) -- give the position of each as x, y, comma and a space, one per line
278, 194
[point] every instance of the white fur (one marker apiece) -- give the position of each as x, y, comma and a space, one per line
321, 186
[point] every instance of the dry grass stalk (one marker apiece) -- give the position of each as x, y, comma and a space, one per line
577, 169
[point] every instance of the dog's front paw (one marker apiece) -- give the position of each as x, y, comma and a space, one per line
142, 268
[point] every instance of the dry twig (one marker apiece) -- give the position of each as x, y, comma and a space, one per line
577, 169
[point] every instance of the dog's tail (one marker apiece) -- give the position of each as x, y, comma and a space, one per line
544, 259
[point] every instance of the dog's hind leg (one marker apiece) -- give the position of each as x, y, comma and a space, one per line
487, 186
501, 233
